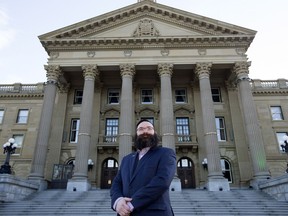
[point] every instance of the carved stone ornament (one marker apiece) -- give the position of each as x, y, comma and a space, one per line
53, 73
203, 69
91, 54
127, 53
127, 69
165, 52
165, 69
54, 55
240, 51
146, 28
241, 69
202, 52
90, 71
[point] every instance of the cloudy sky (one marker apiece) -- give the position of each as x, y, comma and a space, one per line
22, 58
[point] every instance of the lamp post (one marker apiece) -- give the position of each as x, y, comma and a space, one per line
9, 148
284, 147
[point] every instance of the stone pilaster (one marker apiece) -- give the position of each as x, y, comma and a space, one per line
39, 159
216, 181
252, 127
79, 180
126, 110
165, 72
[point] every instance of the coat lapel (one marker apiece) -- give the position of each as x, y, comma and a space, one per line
141, 163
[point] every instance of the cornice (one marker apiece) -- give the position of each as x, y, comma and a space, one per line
17, 95
264, 92
147, 42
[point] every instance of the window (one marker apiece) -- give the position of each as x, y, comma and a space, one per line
111, 130
1, 115
226, 169
146, 96
180, 96
182, 130
281, 137
276, 113
113, 96
216, 95
22, 117
78, 96
74, 130
19, 141
220, 127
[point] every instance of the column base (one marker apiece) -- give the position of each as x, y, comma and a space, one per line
78, 185
218, 184
175, 184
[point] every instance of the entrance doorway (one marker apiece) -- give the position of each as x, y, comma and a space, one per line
186, 172
109, 171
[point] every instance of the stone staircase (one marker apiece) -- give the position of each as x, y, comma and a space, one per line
185, 203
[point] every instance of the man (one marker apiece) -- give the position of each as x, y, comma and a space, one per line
141, 186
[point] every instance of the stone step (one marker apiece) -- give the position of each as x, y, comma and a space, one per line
187, 202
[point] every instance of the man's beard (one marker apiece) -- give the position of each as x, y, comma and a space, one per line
146, 140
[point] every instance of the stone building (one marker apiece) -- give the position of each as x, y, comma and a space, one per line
186, 73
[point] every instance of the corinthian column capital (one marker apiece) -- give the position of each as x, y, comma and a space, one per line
203, 69
165, 69
53, 73
241, 69
127, 69
90, 71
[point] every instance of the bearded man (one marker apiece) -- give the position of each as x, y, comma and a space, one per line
141, 186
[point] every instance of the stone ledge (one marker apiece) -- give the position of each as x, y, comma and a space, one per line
276, 187
13, 188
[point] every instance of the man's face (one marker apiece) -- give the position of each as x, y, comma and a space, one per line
145, 136
145, 128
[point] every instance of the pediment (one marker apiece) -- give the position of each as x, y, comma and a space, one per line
165, 24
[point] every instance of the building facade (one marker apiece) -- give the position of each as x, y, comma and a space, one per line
186, 73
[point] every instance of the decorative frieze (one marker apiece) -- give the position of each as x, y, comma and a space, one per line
91, 54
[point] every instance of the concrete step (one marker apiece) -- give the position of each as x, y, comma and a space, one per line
187, 202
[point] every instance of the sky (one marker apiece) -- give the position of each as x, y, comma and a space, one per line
22, 57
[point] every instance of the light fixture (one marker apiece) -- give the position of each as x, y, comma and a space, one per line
205, 164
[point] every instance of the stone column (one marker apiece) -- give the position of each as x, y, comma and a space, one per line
252, 127
166, 106
126, 110
216, 181
79, 181
40, 153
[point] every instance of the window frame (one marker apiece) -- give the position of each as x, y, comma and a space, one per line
279, 113
78, 98
280, 139
22, 119
74, 131
216, 95
113, 90
2, 113
142, 96
111, 135
19, 143
227, 172
184, 96
221, 130
183, 130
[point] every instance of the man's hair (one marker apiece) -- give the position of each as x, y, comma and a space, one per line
143, 120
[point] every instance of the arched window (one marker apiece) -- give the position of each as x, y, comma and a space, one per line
226, 170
